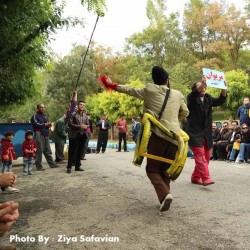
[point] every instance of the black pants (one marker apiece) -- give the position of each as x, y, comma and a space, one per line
85, 146
102, 140
124, 137
59, 147
221, 150
76, 146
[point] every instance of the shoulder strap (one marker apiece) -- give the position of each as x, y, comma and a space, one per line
164, 103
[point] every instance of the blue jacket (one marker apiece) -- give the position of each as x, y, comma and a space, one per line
38, 121
243, 114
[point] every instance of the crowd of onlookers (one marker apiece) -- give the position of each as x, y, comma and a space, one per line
231, 142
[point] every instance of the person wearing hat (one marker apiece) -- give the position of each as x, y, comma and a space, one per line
159, 144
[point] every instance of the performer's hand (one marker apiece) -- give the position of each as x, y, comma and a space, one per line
107, 83
224, 91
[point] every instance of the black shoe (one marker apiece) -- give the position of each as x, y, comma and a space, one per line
40, 169
79, 169
118, 151
68, 171
97, 152
103, 152
61, 162
126, 151
54, 166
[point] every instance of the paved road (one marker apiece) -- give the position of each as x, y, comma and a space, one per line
115, 198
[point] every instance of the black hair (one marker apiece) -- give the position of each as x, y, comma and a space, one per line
9, 133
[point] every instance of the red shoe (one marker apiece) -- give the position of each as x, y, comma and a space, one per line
208, 183
197, 182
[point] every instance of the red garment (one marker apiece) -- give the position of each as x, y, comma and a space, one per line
29, 148
122, 123
201, 157
105, 84
8, 153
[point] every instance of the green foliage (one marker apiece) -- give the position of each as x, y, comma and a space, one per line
62, 79
161, 42
182, 76
113, 104
97, 6
25, 27
238, 89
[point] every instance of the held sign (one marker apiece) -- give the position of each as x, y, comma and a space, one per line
214, 78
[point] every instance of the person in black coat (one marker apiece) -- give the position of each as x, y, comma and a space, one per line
103, 125
199, 129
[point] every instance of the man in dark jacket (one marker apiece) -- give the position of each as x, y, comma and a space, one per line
103, 125
199, 129
243, 112
41, 127
78, 124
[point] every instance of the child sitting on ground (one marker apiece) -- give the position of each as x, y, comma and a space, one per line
29, 152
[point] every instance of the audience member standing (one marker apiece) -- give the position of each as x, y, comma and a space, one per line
41, 126
78, 124
199, 129
123, 133
8, 152
103, 134
243, 112
135, 128
89, 134
8, 155
60, 136
29, 152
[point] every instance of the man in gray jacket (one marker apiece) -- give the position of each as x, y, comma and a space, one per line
78, 124
159, 144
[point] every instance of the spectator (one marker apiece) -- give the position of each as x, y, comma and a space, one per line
199, 129
121, 124
78, 124
243, 112
8, 152
89, 134
29, 152
8, 215
103, 125
225, 133
59, 137
244, 140
135, 128
7, 179
226, 138
41, 126
216, 137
